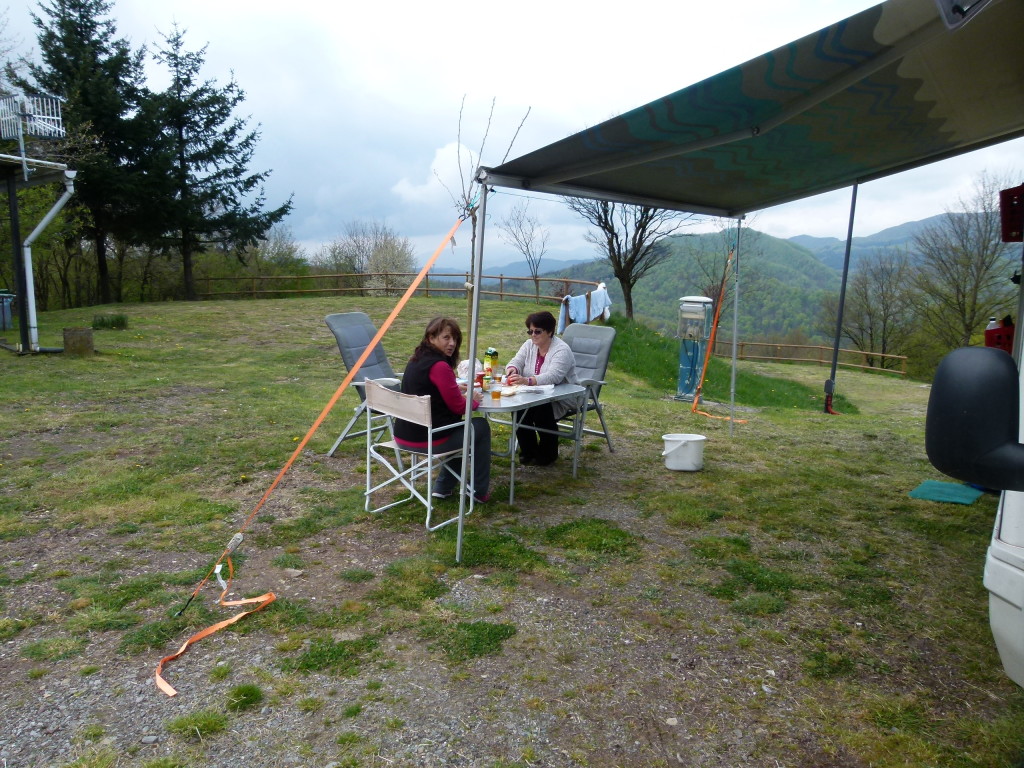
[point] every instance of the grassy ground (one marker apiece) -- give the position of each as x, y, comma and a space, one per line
791, 591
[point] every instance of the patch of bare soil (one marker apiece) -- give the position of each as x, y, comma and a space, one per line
583, 682
613, 663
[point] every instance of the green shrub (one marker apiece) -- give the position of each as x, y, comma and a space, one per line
110, 322
591, 534
199, 725
243, 697
467, 640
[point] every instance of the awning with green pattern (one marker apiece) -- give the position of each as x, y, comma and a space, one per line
888, 89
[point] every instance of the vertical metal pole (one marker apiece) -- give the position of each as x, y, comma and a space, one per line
30, 285
830, 385
1017, 332
735, 327
474, 321
19, 270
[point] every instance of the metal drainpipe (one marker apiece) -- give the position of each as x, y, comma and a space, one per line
30, 291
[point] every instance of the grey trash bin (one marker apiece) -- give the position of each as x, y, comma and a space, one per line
6, 299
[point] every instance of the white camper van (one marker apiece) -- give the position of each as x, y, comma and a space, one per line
974, 433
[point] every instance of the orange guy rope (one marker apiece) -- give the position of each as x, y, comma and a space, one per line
711, 347
714, 332
269, 597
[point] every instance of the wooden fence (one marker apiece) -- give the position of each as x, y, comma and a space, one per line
805, 353
386, 284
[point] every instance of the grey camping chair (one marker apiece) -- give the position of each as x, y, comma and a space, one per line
354, 331
591, 347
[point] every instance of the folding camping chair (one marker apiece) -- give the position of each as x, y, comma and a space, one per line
413, 469
354, 331
591, 347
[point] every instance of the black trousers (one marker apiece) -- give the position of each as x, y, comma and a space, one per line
540, 446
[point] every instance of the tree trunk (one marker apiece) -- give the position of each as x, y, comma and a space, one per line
120, 256
102, 273
189, 279
627, 298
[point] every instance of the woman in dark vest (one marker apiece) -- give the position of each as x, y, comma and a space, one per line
431, 371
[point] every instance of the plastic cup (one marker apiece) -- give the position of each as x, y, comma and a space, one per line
496, 392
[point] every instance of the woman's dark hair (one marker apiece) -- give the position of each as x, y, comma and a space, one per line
436, 327
543, 320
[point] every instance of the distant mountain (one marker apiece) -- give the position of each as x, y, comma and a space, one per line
547, 265
831, 250
520, 268
782, 283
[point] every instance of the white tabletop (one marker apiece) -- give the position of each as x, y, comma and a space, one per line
523, 400
520, 401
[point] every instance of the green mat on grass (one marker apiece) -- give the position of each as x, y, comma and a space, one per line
955, 493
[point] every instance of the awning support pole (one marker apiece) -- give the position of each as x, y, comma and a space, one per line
735, 327
474, 322
830, 384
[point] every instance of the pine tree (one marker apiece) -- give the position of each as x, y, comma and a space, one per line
100, 78
213, 200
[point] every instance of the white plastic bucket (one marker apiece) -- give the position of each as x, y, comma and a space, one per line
684, 452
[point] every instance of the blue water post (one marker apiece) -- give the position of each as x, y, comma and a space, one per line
693, 332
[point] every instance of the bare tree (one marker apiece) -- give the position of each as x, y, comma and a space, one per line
358, 244
712, 255
877, 316
964, 268
628, 236
278, 254
392, 260
467, 199
369, 247
339, 258
333, 257
524, 233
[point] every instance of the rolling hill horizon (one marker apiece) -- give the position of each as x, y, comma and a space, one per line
783, 281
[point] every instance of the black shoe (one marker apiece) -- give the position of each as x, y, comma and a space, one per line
547, 461
525, 460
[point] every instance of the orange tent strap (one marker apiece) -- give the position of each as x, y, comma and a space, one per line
266, 599
723, 418
263, 600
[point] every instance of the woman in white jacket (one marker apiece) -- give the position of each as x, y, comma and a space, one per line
543, 359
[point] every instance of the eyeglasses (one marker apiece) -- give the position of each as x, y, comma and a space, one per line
534, 331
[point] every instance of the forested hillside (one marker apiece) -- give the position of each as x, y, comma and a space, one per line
781, 284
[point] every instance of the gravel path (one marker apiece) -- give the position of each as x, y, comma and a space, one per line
592, 677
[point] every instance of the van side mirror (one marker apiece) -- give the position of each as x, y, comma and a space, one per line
972, 426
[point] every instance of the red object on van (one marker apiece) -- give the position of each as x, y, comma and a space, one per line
1011, 214
1000, 338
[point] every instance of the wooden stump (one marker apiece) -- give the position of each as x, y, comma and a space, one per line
78, 341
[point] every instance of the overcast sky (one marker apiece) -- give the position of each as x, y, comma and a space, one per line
358, 103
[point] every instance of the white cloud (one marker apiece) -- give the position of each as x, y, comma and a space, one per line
450, 172
361, 106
